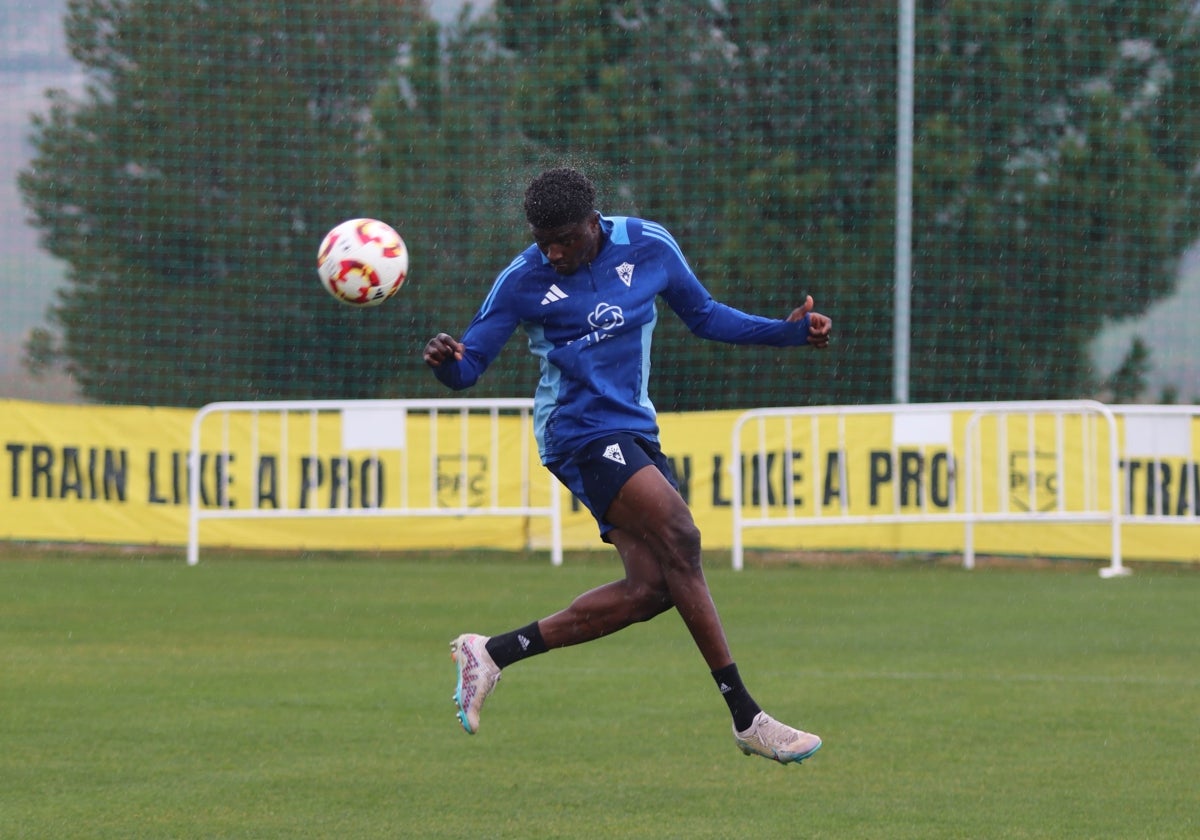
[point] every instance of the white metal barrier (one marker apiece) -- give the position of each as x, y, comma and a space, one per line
1159, 460
402, 464
1097, 476
924, 452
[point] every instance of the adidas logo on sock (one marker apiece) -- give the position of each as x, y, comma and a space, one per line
724, 688
523, 642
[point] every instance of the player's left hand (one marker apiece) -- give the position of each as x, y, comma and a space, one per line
819, 326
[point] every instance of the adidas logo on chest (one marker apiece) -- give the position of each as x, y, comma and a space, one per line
553, 295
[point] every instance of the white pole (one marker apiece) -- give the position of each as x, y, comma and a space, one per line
193, 481
904, 168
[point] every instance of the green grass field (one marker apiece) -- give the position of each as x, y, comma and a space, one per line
310, 698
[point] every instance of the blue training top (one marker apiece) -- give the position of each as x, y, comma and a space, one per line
591, 332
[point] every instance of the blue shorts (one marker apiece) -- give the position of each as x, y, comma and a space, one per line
600, 469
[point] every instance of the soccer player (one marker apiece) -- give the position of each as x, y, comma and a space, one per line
584, 292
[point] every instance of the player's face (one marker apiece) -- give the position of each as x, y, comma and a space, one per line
570, 246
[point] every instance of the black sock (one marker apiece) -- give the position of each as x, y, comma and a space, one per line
741, 704
522, 643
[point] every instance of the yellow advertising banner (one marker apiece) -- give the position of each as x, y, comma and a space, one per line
91, 474
335, 480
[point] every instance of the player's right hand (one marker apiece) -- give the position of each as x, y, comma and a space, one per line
441, 348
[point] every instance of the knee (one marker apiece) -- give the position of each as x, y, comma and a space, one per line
648, 600
680, 539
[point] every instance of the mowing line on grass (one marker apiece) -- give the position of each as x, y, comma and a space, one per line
931, 676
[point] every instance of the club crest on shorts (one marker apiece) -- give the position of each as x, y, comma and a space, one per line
613, 453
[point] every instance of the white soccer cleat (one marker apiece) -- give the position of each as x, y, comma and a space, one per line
771, 739
477, 676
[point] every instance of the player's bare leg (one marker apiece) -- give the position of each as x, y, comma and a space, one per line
659, 545
640, 596
651, 516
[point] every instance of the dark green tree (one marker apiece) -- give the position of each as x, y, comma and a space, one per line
1056, 145
443, 163
750, 131
1052, 191
1053, 188
1128, 382
189, 186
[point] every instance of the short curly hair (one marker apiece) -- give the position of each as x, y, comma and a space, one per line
559, 196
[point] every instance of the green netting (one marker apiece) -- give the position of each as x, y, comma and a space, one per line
1056, 161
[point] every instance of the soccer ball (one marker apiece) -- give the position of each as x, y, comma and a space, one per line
362, 262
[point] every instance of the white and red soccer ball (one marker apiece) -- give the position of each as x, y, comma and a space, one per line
362, 262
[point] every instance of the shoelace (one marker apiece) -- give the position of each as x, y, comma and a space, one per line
773, 732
